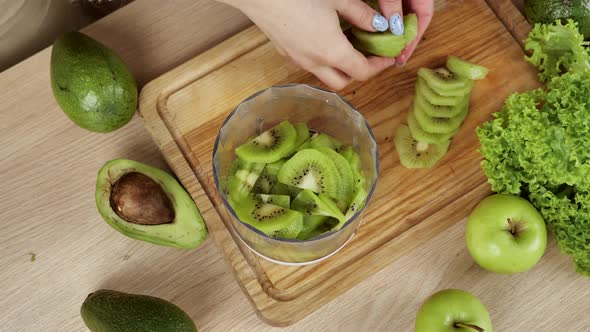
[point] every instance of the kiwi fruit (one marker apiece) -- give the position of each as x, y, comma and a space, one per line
310, 224
434, 98
280, 200
290, 232
416, 154
309, 203
440, 79
266, 217
302, 133
321, 140
357, 203
270, 146
438, 111
313, 170
385, 43
243, 176
354, 160
423, 136
438, 125
326, 226
264, 183
466, 69
346, 176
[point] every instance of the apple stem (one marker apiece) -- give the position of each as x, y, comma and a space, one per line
470, 326
515, 227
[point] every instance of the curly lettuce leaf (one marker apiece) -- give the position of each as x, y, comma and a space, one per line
557, 48
538, 146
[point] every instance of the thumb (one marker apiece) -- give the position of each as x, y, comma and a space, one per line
392, 9
362, 15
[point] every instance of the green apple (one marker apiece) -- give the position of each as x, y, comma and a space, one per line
506, 234
453, 310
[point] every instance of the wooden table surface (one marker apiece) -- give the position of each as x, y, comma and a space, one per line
48, 169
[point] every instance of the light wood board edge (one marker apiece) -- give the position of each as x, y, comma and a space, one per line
512, 19
152, 97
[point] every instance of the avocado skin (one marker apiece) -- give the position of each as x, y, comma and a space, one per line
187, 231
91, 84
112, 311
547, 11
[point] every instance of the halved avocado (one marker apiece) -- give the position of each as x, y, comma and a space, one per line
146, 203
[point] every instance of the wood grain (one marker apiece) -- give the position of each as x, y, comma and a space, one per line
409, 206
48, 168
510, 13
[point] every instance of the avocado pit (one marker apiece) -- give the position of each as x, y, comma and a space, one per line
138, 199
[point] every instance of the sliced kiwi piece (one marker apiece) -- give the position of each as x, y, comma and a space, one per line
243, 176
322, 227
415, 154
354, 160
309, 203
440, 79
283, 189
266, 217
310, 224
385, 43
423, 136
280, 200
460, 92
434, 98
313, 170
270, 146
438, 125
302, 133
264, 183
357, 203
290, 232
321, 140
346, 176
466, 69
440, 111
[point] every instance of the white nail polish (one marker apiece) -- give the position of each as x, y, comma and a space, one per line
396, 25
379, 23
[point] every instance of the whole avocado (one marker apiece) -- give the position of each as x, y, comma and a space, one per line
112, 311
547, 11
91, 84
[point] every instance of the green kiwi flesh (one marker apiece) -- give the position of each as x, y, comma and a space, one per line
385, 43
440, 79
310, 224
242, 178
321, 140
346, 176
290, 232
423, 136
438, 111
311, 169
266, 217
434, 98
437, 125
466, 69
270, 146
321, 227
302, 133
309, 203
415, 154
357, 203
280, 200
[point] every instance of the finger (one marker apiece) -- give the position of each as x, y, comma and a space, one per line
360, 68
392, 9
361, 15
424, 17
333, 78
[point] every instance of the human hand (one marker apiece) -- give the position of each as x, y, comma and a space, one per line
392, 9
308, 32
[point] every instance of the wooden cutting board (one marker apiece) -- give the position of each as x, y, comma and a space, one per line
184, 108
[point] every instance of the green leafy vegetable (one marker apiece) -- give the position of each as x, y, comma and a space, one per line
538, 145
557, 48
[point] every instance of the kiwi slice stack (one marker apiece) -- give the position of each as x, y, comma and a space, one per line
438, 110
293, 185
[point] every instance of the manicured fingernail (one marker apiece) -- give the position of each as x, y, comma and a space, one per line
396, 25
400, 64
380, 23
